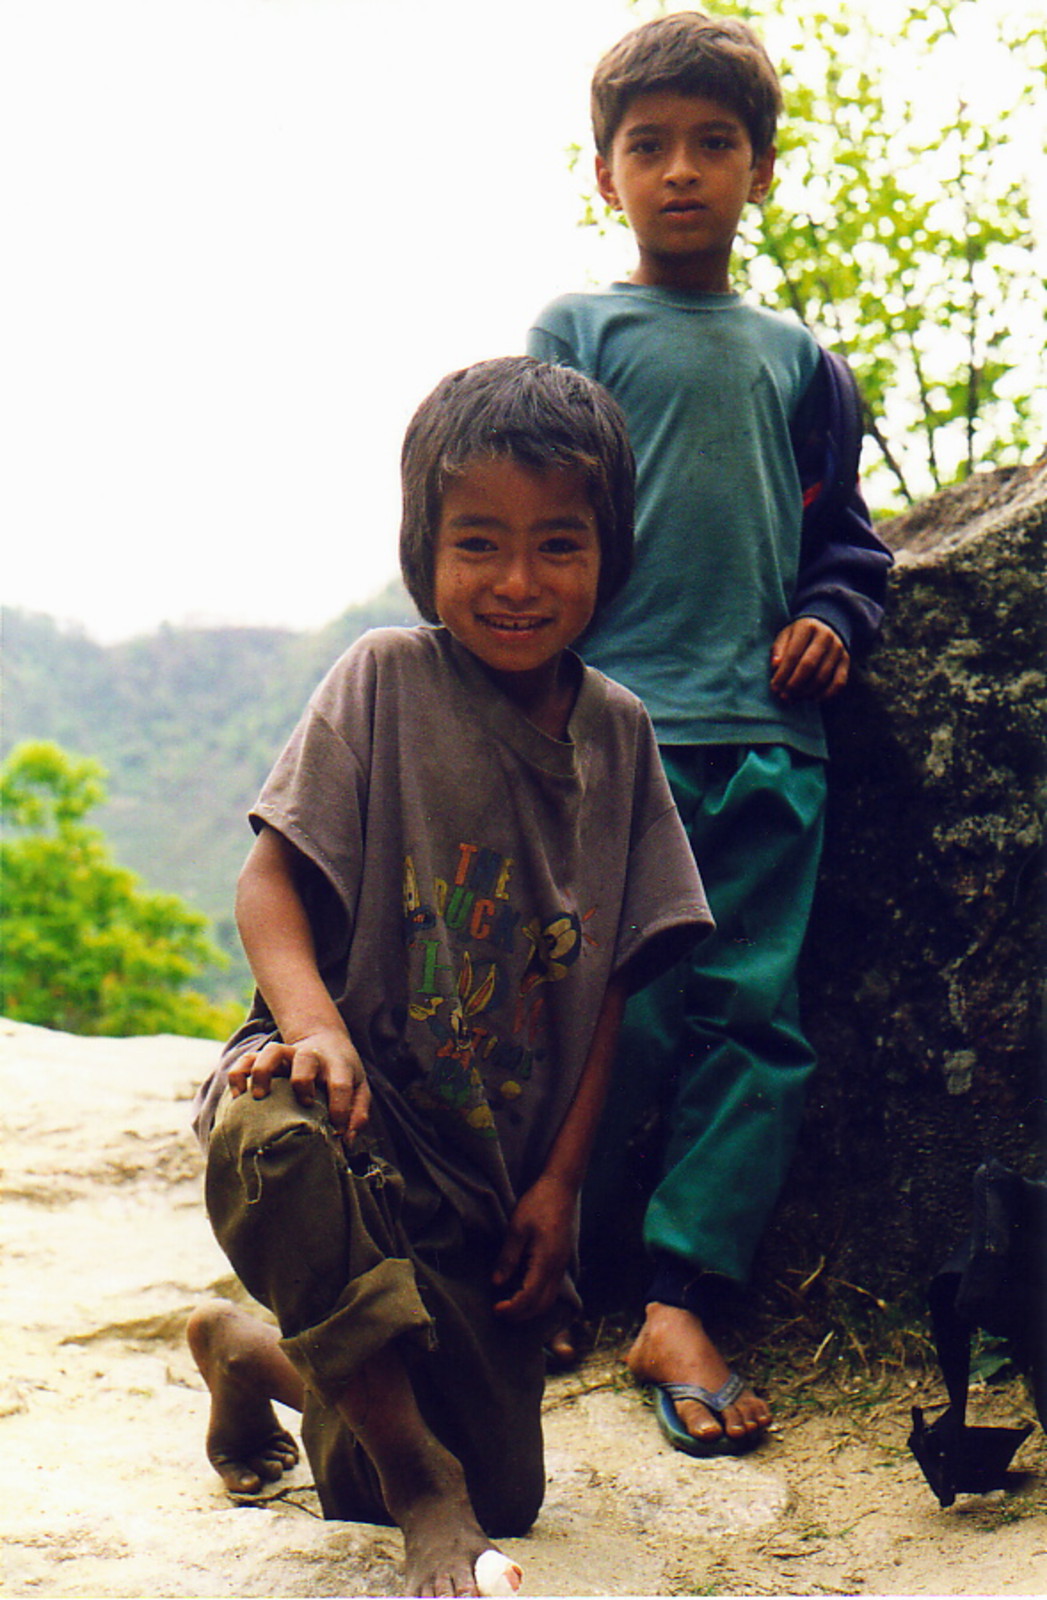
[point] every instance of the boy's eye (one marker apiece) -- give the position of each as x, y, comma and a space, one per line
561, 544
475, 544
644, 147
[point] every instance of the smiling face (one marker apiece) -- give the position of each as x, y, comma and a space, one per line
681, 168
516, 575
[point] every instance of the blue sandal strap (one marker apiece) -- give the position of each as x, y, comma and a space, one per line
716, 1400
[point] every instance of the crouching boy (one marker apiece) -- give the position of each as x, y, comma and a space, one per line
466, 857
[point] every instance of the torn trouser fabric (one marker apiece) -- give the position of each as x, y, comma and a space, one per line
349, 1253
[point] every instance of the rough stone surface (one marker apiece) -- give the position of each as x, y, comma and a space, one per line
924, 971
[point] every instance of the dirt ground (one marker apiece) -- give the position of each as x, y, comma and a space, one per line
104, 1489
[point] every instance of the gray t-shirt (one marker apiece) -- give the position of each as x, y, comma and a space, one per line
472, 886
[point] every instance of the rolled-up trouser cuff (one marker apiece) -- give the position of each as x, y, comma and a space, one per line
375, 1308
678, 1283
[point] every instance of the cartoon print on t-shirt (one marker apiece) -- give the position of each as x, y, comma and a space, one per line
485, 1009
554, 948
454, 1077
417, 918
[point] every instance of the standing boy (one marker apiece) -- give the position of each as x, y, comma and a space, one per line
756, 577
466, 857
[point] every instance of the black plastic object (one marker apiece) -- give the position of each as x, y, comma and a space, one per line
995, 1281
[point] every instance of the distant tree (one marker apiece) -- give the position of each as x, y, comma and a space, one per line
85, 948
899, 228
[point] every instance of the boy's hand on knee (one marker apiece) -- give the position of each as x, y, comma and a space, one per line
327, 1058
536, 1250
808, 662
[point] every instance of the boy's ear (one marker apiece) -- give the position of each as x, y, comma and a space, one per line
763, 176
605, 184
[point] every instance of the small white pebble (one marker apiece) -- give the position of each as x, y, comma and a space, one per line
497, 1574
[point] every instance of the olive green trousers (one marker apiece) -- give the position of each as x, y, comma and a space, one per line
350, 1253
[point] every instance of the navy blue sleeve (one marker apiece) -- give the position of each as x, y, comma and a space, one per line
843, 565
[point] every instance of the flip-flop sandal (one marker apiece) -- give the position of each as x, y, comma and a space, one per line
717, 1402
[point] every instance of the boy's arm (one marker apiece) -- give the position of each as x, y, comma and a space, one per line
314, 1047
842, 578
841, 586
540, 1238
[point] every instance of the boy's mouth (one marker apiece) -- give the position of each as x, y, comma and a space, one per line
677, 207
511, 624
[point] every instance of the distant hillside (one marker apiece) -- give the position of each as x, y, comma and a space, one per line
187, 722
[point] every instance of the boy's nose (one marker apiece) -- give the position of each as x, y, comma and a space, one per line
680, 168
517, 580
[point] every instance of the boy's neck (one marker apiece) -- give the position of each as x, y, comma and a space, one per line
687, 274
545, 698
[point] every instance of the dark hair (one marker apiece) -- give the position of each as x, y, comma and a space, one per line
719, 58
526, 411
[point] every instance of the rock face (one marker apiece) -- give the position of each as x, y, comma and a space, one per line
924, 972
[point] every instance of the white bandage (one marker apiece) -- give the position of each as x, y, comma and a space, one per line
497, 1574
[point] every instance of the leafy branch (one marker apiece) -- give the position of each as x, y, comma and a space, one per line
900, 229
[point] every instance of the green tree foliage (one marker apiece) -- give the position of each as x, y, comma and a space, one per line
187, 722
85, 948
900, 228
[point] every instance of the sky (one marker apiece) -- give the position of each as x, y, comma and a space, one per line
243, 239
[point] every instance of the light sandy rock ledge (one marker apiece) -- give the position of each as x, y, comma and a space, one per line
106, 1492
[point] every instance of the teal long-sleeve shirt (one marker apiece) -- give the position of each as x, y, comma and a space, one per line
710, 387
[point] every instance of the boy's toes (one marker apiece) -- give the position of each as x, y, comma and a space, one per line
269, 1467
737, 1424
238, 1477
449, 1584
698, 1420
748, 1417
253, 1453
278, 1456
243, 1473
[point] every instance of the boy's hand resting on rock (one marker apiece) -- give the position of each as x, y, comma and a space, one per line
327, 1058
808, 662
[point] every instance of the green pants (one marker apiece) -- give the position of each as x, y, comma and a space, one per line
353, 1252
718, 1038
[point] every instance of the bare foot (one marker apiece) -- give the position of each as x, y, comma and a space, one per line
673, 1347
423, 1484
442, 1541
561, 1351
245, 1369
